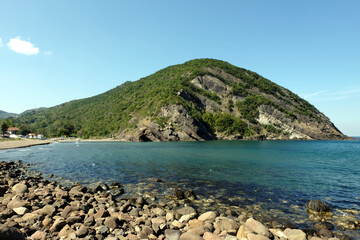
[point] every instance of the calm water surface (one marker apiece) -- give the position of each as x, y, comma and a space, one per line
270, 172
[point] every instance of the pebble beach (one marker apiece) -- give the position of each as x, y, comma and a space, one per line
36, 208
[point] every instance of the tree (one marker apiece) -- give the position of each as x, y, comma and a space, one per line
4, 127
24, 129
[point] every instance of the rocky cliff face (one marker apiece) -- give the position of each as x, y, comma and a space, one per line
276, 114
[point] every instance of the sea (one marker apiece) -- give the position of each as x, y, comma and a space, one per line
262, 178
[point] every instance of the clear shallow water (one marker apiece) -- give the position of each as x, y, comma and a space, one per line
269, 172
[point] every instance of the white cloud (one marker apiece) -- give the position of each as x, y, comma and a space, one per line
0, 42
23, 47
48, 52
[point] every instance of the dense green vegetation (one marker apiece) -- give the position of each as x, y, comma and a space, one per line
226, 122
122, 107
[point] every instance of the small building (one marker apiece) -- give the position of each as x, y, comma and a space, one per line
13, 130
32, 135
41, 137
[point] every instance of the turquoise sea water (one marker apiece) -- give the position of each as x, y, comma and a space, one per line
269, 172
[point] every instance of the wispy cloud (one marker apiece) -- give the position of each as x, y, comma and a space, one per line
0, 42
315, 94
48, 52
327, 95
23, 47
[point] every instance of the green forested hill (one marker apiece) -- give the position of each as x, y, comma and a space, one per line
198, 100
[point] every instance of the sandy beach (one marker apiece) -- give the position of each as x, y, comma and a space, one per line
21, 143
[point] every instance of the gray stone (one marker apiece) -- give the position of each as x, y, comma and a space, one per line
21, 210
190, 236
158, 224
65, 231
89, 221
82, 231
231, 237
73, 219
200, 230
39, 235
325, 233
224, 223
134, 212
186, 211
145, 232
16, 202
295, 234
169, 216
58, 225
211, 236
48, 210
111, 222
241, 232
19, 188
171, 234
257, 227
252, 236
101, 230
208, 216
158, 212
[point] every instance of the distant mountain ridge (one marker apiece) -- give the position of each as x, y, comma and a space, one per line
4, 114
202, 99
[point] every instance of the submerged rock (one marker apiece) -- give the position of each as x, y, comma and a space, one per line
318, 207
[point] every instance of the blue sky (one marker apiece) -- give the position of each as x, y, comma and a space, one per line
56, 51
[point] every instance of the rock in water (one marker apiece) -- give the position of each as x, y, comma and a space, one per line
318, 207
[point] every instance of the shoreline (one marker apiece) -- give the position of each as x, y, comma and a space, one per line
42, 209
22, 143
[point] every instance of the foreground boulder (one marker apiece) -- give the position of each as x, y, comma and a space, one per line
10, 233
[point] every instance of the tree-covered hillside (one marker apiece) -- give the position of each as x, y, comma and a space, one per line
223, 99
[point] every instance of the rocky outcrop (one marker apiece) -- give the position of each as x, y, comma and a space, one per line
281, 116
180, 127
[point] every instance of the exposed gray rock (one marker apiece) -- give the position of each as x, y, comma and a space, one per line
190, 236
19, 188
171, 234
257, 227
21, 210
224, 223
82, 231
186, 210
295, 234
207, 216
111, 222
252, 236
